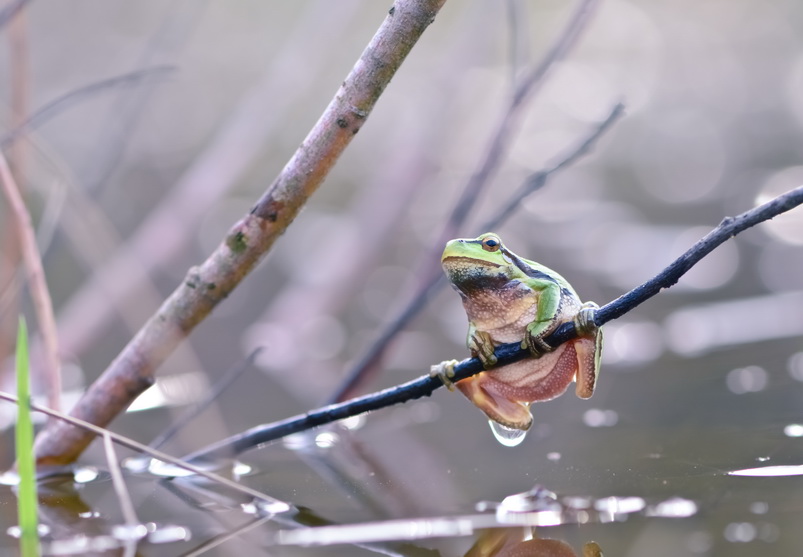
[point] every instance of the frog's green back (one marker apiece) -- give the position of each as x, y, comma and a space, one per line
554, 275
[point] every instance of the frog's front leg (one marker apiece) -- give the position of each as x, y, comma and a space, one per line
481, 346
546, 320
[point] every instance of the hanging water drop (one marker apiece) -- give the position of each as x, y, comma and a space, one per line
507, 436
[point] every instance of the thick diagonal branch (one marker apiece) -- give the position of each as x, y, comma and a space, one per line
247, 242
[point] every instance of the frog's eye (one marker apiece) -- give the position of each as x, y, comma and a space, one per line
491, 243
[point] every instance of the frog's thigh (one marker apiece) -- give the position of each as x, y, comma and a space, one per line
488, 395
586, 349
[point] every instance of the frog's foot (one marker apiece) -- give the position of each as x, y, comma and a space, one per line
584, 321
536, 343
482, 347
483, 391
445, 372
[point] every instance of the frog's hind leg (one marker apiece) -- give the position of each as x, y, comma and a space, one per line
587, 350
480, 389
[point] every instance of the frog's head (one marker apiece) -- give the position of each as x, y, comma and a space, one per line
480, 263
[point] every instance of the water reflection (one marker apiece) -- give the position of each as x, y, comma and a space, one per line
521, 542
769, 471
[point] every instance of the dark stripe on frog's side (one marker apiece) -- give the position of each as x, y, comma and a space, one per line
527, 269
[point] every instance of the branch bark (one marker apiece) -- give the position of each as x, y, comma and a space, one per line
506, 353
249, 239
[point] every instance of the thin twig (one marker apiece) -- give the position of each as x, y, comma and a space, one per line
435, 282
38, 284
506, 353
20, 70
94, 430
537, 180
223, 383
132, 372
494, 155
505, 130
66, 100
123, 496
125, 113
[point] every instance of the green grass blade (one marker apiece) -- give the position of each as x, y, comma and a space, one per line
26, 494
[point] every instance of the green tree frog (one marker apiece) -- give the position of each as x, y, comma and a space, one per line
510, 299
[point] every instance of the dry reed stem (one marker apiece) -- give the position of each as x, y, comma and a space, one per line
40, 294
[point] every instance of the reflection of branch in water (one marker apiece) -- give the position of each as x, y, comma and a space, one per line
505, 353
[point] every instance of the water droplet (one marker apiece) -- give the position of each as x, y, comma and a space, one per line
507, 436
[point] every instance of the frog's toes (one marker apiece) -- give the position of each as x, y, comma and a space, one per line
536, 345
445, 372
482, 347
584, 321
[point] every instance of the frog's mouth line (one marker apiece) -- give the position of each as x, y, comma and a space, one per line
462, 259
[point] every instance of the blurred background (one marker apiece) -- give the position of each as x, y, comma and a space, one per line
156, 125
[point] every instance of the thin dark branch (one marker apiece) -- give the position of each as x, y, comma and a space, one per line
494, 154
58, 105
539, 179
506, 353
504, 133
432, 284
